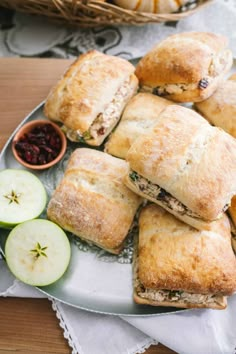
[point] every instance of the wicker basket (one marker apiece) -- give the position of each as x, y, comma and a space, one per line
89, 13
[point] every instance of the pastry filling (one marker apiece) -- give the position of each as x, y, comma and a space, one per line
173, 89
216, 67
104, 121
156, 192
177, 296
170, 89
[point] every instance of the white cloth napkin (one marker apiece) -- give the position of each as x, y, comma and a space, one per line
87, 333
191, 332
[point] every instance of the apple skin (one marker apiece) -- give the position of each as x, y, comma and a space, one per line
4, 225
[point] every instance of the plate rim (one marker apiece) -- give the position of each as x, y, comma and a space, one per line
53, 297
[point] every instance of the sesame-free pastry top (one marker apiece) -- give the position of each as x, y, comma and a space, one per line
177, 265
91, 95
185, 67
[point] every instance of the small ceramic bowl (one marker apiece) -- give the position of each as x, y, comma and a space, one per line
39, 144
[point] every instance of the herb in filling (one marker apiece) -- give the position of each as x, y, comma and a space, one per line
158, 193
105, 120
176, 296
173, 89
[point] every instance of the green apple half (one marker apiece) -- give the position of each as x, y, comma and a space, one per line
37, 252
22, 197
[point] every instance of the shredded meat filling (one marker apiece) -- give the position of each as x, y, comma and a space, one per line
104, 120
158, 193
176, 296
218, 64
163, 295
173, 89
112, 113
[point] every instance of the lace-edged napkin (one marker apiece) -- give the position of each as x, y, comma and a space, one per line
86, 332
189, 332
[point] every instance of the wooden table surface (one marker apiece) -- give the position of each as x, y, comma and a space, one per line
29, 326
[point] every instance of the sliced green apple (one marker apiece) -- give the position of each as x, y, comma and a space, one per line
22, 197
37, 252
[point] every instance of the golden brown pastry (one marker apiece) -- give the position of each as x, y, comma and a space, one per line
154, 6
232, 213
140, 113
232, 210
232, 77
92, 202
185, 165
185, 67
220, 108
179, 266
91, 96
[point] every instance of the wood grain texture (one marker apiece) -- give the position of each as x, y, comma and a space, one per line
24, 83
29, 325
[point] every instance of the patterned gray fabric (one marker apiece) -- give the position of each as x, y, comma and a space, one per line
33, 36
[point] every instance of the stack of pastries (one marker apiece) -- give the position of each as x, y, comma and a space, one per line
157, 159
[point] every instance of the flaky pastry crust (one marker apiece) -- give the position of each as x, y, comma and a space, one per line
140, 113
185, 67
220, 108
87, 88
92, 202
174, 256
189, 159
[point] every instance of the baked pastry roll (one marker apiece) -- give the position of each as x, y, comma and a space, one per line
161, 6
140, 113
185, 165
92, 202
220, 108
179, 266
91, 96
185, 67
